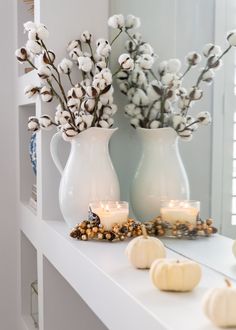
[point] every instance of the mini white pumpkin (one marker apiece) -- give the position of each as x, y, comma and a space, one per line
219, 305
175, 275
143, 250
234, 248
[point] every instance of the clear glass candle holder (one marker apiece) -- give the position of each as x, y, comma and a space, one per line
180, 210
110, 212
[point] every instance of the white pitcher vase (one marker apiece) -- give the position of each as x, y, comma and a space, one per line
160, 173
88, 175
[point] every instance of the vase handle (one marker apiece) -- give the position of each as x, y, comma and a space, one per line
54, 148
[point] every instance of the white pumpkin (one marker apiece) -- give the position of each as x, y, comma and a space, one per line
175, 275
219, 305
143, 250
234, 248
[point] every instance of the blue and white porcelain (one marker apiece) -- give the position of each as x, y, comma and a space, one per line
33, 153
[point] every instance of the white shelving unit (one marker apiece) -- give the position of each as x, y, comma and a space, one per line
82, 285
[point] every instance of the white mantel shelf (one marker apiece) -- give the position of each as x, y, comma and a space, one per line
122, 297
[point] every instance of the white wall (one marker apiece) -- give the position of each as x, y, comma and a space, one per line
173, 28
7, 169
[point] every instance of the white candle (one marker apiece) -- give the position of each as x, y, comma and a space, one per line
111, 212
184, 211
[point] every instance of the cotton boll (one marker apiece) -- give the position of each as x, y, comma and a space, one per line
86, 36
62, 117
146, 49
137, 37
42, 32
99, 66
173, 65
135, 122
31, 90
129, 109
167, 79
124, 87
130, 46
167, 106
162, 68
73, 44
140, 98
106, 75
65, 66
88, 105
184, 103
73, 104
44, 72
85, 63
186, 135
211, 49
138, 77
132, 22
231, 37
155, 124
110, 122
68, 132
182, 91
193, 58
22, 54
92, 91
88, 119
195, 93
103, 124
208, 76
131, 93
126, 62
103, 48
34, 47
204, 117
76, 92
30, 26
45, 121
116, 21
33, 124
75, 53
122, 76
191, 122
46, 94
145, 61
178, 122
46, 58
154, 90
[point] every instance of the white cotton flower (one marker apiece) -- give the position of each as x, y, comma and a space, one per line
126, 62
34, 47
130, 109
193, 58
28, 26
46, 94
92, 91
137, 37
155, 124
132, 22
231, 37
124, 87
167, 106
44, 72
145, 61
204, 117
184, 103
65, 66
88, 105
45, 121
135, 122
138, 77
211, 50
116, 21
103, 47
130, 45
182, 91
22, 54
46, 58
195, 93
110, 122
122, 76
62, 117
86, 36
42, 32
208, 76
114, 109
33, 124
140, 98
31, 90
173, 65
191, 122
106, 75
73, 104
107, 98
75, 53
162, 68
131, 93
73, 44
76, 92
103, 124
178, 122
154, 90
99, 66
88, 119
186, 135
85, 63
167, 78
146, 49
68, 132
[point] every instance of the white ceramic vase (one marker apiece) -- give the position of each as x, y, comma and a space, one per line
160, 173
88, 175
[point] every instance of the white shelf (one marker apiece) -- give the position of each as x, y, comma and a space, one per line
100, 272
22, 81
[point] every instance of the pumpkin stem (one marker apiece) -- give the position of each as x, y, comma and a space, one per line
144, 231
228, 283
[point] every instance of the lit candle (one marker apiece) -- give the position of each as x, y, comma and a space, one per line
111, 212
176, 210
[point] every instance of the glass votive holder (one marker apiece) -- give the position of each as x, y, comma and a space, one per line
110, 212
180, 210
